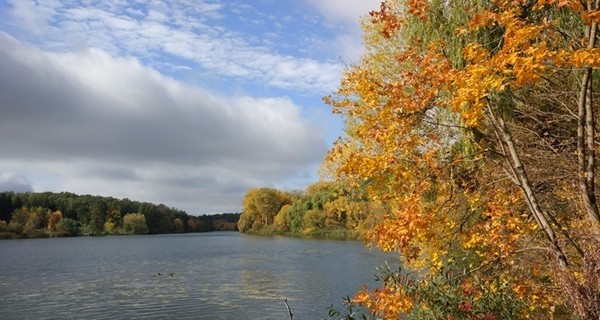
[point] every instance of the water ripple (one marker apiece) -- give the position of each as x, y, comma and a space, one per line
208, 276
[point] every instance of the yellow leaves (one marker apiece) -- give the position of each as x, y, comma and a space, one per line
588, 58
388, 302
395, 141
475, 240
523, 57
474, 52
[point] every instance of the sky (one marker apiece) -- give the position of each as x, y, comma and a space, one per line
188, 103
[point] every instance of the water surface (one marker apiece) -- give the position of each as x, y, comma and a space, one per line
222, 275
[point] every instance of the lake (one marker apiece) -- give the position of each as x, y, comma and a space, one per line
223, 275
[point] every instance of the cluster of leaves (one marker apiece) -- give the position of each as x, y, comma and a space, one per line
474, 121
444, 295
324, 209
67, 214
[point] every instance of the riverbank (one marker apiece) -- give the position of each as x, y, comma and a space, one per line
323, 234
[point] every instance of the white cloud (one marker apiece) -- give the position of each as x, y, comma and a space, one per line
35, 16
344, 11
91, 103
345, 15
16, 183
188, 30
89, 122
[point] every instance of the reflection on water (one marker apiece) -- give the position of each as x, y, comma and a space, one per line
192, 276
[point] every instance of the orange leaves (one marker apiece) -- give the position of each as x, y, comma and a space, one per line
475, 53
418, 8
526, 52
482, 19
591, 16
397, 231
418, 138
389, 21
389, 301
573, 5
497, 235
585, 58
54, 219
394, 98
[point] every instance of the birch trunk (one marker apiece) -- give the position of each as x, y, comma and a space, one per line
525, 184
586, 154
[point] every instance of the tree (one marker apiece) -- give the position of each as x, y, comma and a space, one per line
95, 214
475, 121
110, 227
18, 220
97, 217
280, 220
53, 220
114, 214
178, 226
6, 205
68, 227
313, 203
135, 223
260, 207
29, 222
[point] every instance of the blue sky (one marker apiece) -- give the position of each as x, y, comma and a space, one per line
183, 102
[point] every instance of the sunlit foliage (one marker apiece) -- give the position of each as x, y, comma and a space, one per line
474, 121
324, 209
135, 223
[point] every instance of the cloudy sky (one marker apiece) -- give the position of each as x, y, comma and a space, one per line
183, 102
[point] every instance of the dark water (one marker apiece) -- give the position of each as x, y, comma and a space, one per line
202, 276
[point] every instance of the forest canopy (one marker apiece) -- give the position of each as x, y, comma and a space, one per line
67, 214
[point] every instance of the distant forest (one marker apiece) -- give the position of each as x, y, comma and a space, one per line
47, 214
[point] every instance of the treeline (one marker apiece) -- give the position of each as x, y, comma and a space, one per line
324, 209
66, 214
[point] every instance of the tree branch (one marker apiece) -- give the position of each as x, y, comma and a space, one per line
525, 184
288, 309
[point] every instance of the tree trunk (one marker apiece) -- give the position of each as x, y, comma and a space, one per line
524, 183
586, 154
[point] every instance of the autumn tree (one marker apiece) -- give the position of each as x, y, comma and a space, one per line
114, 217
260, 206
53, 220
307, 213
474, 120
281, 219
29, 221
135, 223
324, 209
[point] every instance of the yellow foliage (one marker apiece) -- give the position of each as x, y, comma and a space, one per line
54, 219
410, 110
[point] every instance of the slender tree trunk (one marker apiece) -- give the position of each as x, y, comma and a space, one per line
586, 154
525, 184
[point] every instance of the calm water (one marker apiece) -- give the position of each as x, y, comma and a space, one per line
202, 276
